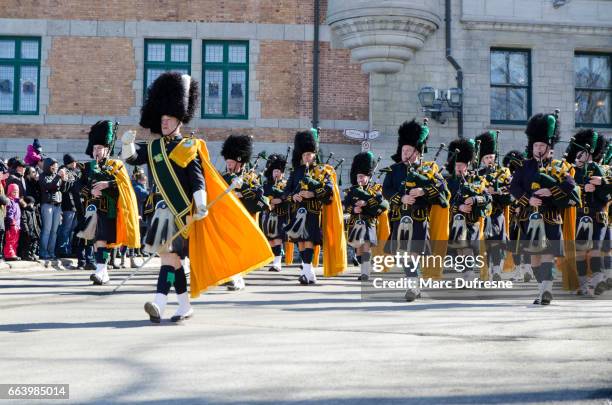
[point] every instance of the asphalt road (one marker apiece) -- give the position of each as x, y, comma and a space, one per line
278, 342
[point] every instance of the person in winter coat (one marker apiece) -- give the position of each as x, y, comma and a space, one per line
4, 201
16, 176
52, 184
32, 186
34, 154
12, 223
29, 236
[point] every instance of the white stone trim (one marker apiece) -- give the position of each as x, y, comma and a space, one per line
499, 24
162, 29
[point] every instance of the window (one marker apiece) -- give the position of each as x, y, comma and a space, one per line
19, 75
226, 79
510, 86
165, 56
593, 78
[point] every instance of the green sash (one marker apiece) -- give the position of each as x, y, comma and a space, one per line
167, 182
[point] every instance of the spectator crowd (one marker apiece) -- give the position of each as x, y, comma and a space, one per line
42, 209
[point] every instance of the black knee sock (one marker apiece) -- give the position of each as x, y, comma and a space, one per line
307, 255
581, 268
547, 271
595, 264
165, 280
102, 255
537, 273
180, 284
277, 250
607, 262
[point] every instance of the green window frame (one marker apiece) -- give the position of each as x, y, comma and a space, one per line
19, 75
508, 86
225, 63
165, 55
593, 90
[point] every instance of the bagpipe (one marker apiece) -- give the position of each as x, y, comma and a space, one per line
549, 176
357, 233
253, 199
96, 173
471, 185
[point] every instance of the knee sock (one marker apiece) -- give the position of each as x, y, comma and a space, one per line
278, 255
180, 282
581, 268
537, 273
167, 277
307, 255
365, 263
546, 269
102, 255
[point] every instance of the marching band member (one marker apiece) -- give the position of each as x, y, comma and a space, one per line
221, 240
111, 218
417, 196
587, 147
498, 180
275, 219
236, 151
364, 203
316, 217
541, 199
469, 201
522, 269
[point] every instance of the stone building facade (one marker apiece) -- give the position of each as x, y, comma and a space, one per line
554, 49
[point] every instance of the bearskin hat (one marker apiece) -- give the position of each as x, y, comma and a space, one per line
588, 140
513, 160
459, 150
101, 133
170, 94
411, 133
542, 128
488, 143
238, 148
275, 161
363, 163
305, 141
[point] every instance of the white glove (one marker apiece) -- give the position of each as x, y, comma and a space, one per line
199, 200
128, 149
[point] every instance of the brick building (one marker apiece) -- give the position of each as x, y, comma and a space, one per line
66, 64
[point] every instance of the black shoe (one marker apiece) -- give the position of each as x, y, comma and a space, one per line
546, 298
536, 301
303, 280
96, 280
411, 295
600, 288
12, 259
363, 277
496, 277
527, 277
154, 315
179, 318
274, 269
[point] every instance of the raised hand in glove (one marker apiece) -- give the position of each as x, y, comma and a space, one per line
199, 200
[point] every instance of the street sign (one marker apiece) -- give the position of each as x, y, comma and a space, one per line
359, 134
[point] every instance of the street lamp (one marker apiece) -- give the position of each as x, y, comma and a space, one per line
440, 104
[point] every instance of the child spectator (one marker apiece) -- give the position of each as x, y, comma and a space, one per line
12, 223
